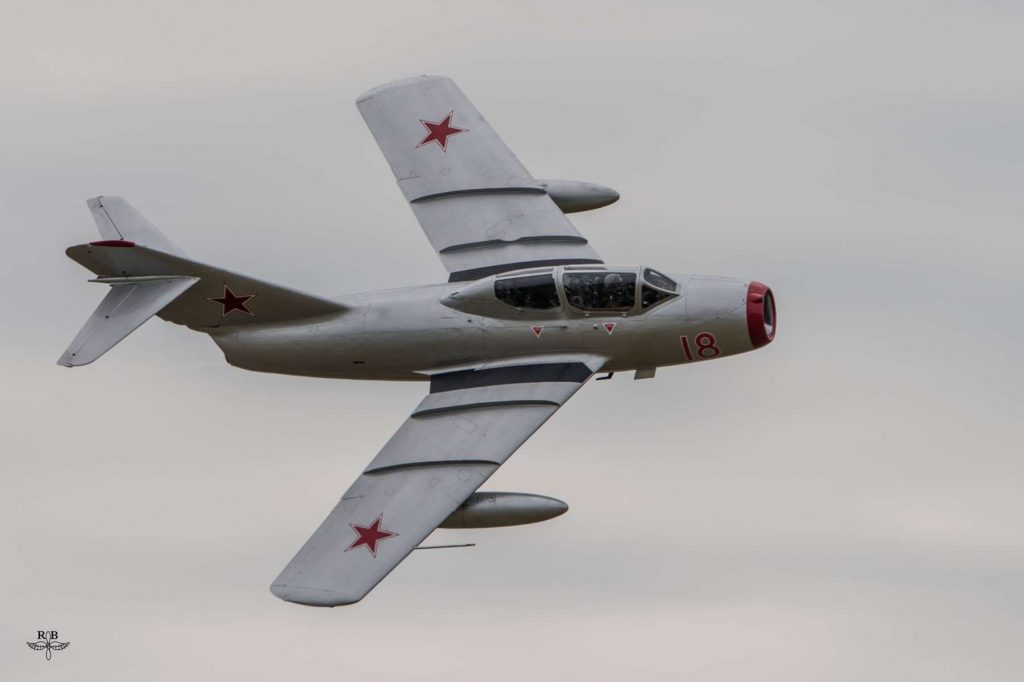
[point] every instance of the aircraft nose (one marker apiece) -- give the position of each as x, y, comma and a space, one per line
762, 319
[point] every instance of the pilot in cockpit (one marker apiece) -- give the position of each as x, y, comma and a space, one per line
617, 292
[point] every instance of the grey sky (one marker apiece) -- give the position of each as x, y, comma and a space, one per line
845, 504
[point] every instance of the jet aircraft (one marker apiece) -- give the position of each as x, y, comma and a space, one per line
529, 313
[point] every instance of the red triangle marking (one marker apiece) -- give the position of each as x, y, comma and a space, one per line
609, 327
537, 330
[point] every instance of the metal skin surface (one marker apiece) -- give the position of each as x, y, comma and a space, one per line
530, 312
573, 196
493, 510
408, 334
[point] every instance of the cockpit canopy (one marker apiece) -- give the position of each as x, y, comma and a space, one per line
533, 292
610, 290
582, 289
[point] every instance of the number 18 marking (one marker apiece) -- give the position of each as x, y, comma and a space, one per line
706, 347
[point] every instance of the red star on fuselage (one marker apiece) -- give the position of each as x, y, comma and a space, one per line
440, 132
230, 302
369, 536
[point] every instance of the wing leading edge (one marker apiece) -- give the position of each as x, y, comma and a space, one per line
469, 424
478, 205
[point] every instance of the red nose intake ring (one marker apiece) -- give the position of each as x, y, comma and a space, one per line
761, 318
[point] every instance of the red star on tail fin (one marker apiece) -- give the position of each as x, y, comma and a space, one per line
230, 302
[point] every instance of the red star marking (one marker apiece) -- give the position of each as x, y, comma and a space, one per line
609, 327
440, 132
369, 536
537, 330
230, 302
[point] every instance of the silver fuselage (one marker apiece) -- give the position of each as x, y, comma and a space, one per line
409, 333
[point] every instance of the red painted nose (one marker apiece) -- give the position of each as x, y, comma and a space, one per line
761, 317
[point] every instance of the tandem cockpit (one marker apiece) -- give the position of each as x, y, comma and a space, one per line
569, 289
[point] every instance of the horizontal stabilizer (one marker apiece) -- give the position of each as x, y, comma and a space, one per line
126, 306
220, 298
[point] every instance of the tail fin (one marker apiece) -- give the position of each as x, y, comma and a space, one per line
117, 220
149, 276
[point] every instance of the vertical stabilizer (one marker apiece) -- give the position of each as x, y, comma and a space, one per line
117, 220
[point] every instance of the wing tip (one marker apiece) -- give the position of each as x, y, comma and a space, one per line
70, 359
97, 201
369, 94
313, 596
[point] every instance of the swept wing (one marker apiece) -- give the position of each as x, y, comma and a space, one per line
469, 424
478, 205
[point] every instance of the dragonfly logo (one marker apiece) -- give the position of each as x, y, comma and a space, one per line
47, 642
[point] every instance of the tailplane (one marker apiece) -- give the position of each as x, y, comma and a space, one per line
130, 302
149, 275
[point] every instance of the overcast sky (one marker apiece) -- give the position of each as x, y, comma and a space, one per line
845, 504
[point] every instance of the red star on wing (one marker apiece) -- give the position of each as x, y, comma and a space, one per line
369, 536
440, 132
230, 302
